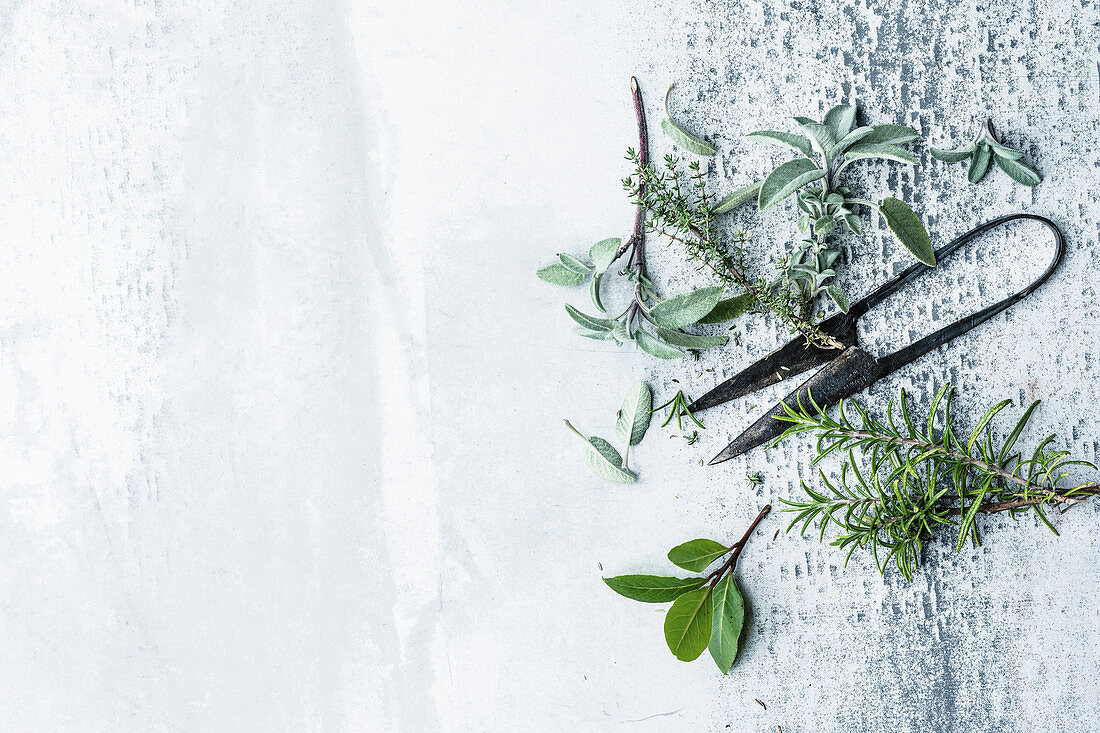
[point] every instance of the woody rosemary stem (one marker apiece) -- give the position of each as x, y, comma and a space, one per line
737, 547
1044, 494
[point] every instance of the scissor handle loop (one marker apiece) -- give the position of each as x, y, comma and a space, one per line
945, 334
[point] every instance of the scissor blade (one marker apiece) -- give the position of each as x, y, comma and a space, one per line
786, 361
853, 371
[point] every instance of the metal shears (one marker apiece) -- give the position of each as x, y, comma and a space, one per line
851, 370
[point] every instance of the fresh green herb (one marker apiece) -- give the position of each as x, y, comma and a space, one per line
667, 318
900, 484
826, 150
707, 612
680, 208
682, 137
631, 424
678, 410
754, 479
981, 150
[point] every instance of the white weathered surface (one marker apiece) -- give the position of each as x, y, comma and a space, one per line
282, 398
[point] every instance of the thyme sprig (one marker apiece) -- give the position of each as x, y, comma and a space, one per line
682, 210
899, 484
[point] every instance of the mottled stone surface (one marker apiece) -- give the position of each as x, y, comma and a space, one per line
282, 398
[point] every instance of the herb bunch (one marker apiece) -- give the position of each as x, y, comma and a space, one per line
984, 148
707, 612
902, 482
667, 318
826, 150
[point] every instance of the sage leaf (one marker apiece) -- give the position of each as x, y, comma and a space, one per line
906, 226
1002, 150
878, 150
603, 252
685, 140
851, 139
891, 135
690, 340
695, 555
799, 143
574, 264
634, 415
688, 624
727, 620
621, 332
595, 292
979, 164
786, 179
954, 156
606, 461
840, 120
558, 274
838, 296
597, 335
821, 137
654, 346
686, 308
652, 588
728, 309
682, 137
1017, 171
824, 225
737, 198
853, 223
592, 324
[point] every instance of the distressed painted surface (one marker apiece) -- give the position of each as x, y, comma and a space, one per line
282, 397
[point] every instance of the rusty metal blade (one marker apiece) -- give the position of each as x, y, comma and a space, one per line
786, 361
853, 371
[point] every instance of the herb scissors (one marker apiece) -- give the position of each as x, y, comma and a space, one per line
853, 369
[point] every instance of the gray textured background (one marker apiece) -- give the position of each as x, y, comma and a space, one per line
282, 398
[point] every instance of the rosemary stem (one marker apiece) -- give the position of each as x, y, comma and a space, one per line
991, 507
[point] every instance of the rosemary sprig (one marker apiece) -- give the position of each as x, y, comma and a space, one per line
899, 484
678, 409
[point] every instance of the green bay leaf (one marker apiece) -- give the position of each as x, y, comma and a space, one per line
652, 588
696, 555
726, 622
688, 624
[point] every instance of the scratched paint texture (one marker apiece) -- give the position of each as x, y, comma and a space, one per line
281, 396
